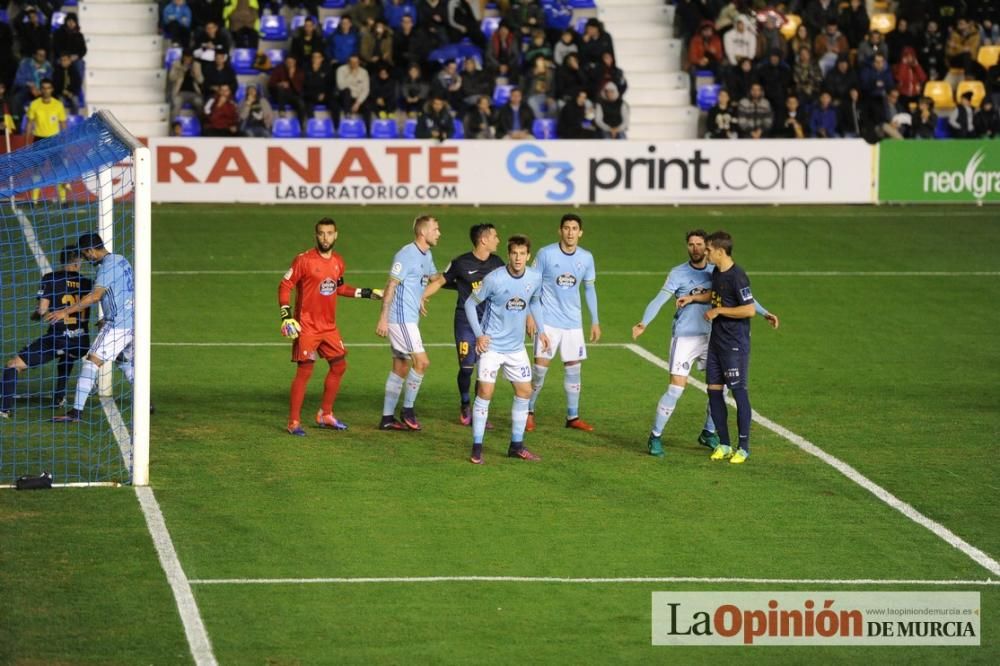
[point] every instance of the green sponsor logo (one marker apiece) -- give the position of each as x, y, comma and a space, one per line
972, 180
939, 171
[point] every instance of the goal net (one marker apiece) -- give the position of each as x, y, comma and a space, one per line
90, 183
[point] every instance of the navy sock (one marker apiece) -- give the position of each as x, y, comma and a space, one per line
717, 403
743, 416
7, 388
464, 383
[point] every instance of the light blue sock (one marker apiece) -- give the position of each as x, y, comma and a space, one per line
413, 381
518, 419
665, 408
571, 382
709, 423
537, 379
480, 412
393, 387
85, 384
128, 369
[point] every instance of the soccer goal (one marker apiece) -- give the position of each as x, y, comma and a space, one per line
91, 179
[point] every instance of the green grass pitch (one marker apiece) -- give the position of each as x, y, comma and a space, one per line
894, 374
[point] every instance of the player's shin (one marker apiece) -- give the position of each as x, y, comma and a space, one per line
8, 387
480, 412
85, 384
298, 393
743, 416
717, 403
665, 408
464, 383
518, 419
537, 381
413, 381
331, 385
393, 388
572, 385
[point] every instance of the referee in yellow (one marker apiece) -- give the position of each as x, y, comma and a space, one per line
46, 118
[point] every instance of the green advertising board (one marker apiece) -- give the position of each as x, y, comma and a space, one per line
957, 170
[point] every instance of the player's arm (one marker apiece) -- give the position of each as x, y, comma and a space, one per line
349, 291
653, 309
536, 312
40, 309
472, 315
590, 295
388, 296
705, 297
747, 311
433, 287
290, 328
79, 306
771, 318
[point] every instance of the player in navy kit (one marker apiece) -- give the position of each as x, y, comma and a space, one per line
66, 340
464, 274
732, 307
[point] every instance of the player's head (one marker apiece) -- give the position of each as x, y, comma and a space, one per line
326, 234
696, 244
71, 258
719, 244
486, 234
426, 228
518, 252
92, 246
570, 230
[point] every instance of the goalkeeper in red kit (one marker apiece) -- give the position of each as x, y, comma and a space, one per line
318, 277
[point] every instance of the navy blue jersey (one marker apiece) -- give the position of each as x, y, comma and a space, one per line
465, 273
63, 289
731, 289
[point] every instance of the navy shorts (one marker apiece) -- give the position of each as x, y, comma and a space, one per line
728, 366
52, 346
465, 343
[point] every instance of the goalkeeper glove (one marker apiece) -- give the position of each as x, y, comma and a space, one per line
373, 294
289, 327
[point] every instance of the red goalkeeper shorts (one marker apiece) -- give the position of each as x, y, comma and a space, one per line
310, 346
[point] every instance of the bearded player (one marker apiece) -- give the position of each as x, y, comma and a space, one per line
317, 275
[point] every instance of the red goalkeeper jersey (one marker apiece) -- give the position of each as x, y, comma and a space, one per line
318, 281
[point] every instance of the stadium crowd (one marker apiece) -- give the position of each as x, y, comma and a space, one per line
825, 68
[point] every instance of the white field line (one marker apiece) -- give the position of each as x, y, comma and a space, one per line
581, 581
194, 627
952, 539
36, 248
118, 428
662, 272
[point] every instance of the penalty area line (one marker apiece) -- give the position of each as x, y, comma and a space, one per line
582, 581
939, 530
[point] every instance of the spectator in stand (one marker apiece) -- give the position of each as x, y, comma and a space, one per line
67, 39
526, 16
317, 83
243, 18
931, 53
286, 85
208, 40
790, 123
962, 119
876, 79
899, 40
463, 24
436, 121
739, 79
807, 77
739, 42
480, 121
986, 121
704, 53
841, 79
895, 121
830, 45
8, 63
570, 79
33, 34
222, 118
353, 86
608, 72
186, 83
801, 40
376, 45
364, 13
576, 120
343, 44
924, 120
770, 39
691, 14
176, 21
722, 118
395, 10
853, 119
993, 84
817, 13
855, 23
475, 83
308, 40
946, 12
448, 84
409, 45
987, 15
256, 114
503, 56
67, 84
384, 96
540, 85
413, 91
775, 79
611, 113
909, 77
754, 114
727, 17
595, 42
963, 45
432, 17
871, 46
537, 47
220, 72
204, 11
515, 118
28, 81
565, 46
823, 118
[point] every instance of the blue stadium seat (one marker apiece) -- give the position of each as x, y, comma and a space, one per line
3, 16
320, 128
277, 56
273, 27
544, 128
444, 54
286, 128
459, 130
190, 126
58, 18
708, 95
582, 4
241, 93
352, 128
501, 94
466, 50
172, 54
490, 25
69, 3
334, 4
581, 25
242, 60
72, 120
557, 17
942, 130
410, 128
385, 128
330, 24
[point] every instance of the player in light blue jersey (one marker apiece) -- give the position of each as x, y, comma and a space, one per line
689, 335
114, 288
412, 268
564, 267
509, 292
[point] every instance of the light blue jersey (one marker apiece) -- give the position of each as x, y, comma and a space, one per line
562, 275
114, 274
508, 299
414, 269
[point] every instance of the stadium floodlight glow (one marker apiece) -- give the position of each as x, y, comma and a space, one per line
105, 175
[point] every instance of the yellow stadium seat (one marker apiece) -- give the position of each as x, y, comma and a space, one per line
977, 88
791, 24
988, 55
940, 92
884, 23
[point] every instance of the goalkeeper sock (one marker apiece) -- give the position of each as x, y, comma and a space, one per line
480, 412
537, 379
8, 387
572, 385
413, 381
717, 403
393, 387
709, 422
331, 385
302, 374
85, 384
518, 419
665, 408
464, 383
